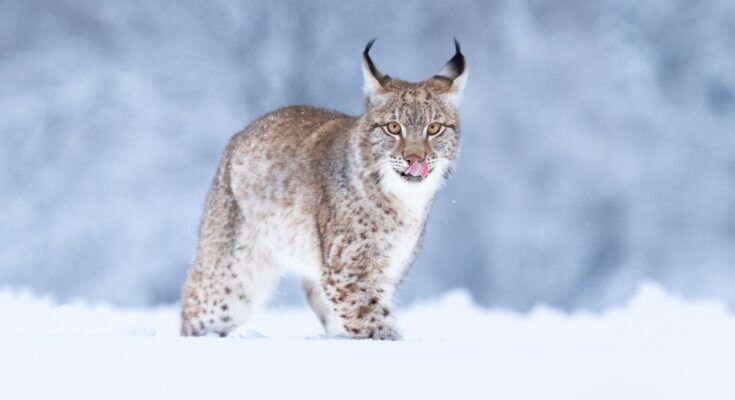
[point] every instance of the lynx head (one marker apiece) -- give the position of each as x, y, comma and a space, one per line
412, 128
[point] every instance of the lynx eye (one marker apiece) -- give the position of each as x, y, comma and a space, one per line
393, 127
434, 128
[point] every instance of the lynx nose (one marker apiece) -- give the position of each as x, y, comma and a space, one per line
412, 158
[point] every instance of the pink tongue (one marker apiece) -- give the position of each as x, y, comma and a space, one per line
417, 168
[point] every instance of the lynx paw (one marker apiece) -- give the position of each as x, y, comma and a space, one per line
380, 332
391, 334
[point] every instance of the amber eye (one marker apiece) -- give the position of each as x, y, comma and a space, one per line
433, 128
393, 127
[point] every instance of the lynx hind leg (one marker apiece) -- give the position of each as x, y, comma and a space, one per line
221, 300
320, 305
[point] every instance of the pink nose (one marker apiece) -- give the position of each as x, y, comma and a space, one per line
412, 159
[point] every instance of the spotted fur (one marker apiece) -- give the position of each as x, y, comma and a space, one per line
323, 194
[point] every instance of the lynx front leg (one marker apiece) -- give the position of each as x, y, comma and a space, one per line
360, 302
323, 309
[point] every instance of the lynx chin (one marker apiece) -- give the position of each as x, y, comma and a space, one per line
341, 201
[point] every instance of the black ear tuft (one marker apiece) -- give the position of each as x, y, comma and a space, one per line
369, 46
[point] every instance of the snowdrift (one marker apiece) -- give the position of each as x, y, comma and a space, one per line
655, 347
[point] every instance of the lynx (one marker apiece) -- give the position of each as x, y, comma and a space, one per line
341, 201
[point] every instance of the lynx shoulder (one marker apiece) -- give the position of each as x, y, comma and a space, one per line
341, 201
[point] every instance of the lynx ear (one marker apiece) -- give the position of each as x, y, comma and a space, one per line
373, 79
455, 72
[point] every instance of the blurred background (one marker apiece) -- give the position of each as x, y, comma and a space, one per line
598, 138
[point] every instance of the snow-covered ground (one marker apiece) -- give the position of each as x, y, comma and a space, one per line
655, 347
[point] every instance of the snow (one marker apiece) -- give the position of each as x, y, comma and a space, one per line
657, 346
